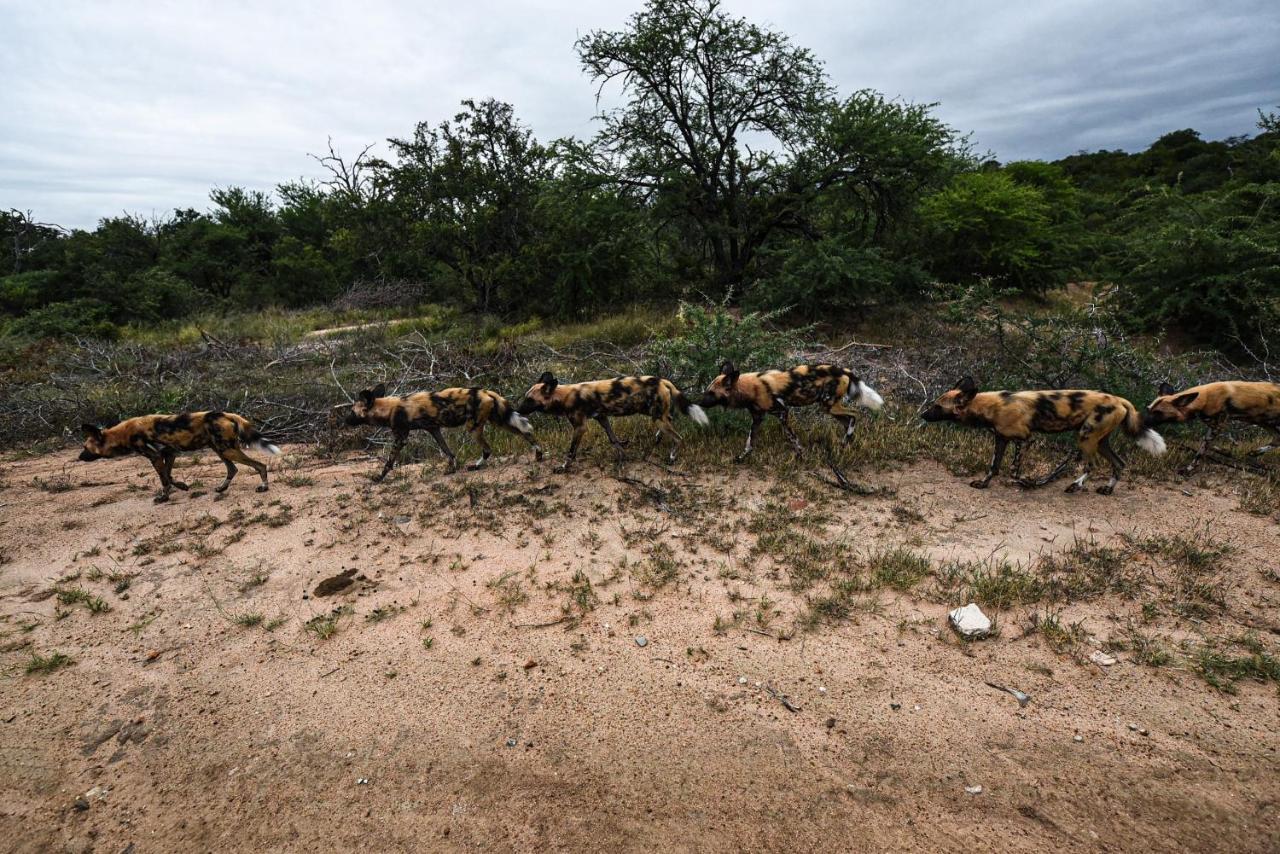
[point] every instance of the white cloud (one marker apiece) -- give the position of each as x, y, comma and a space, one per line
113, 106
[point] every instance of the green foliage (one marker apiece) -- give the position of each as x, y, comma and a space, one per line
710, 334
1015, 226
87, 318
1209, 263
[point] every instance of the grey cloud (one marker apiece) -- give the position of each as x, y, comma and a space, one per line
112, 107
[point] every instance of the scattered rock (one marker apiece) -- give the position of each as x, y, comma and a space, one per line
511, 742
335, 583
363, 781
80, 804
973, 790
641, 640
530, 664
742, 680
895, 706
831, 723
1101, 659
1078, 739
970, 622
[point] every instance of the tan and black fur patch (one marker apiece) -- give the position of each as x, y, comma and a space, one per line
159, 438
1255, 403
777, 392
1015, 415
471, 408
600, 399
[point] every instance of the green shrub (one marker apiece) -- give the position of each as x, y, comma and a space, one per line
710, 334
85, 318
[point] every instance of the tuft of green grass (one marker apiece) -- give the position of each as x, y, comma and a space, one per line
249, 620
48, 663
78, 595
509, 590
659, 568
998, 585
1147, 649
1222, 670
325, 626
383, 612
899, 568
1061, 637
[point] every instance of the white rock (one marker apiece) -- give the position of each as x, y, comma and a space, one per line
970, 621
1102, 659
973, 790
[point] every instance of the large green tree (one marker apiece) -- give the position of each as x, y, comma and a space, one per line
732, 132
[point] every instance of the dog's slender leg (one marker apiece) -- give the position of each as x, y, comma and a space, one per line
396, 446
444, 448
608, 431
1001, 444
240, 456
756, 418
845, 416
1018, 446
665, 426
1117, 466
157, 463
168, 455
478, 432
783, 414
579, 429
1215, 426
1270, 446
528, 437
231, 470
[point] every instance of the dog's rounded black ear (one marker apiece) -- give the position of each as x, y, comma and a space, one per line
93, 431
968, 385
548, 381
1182, 401
731, 373
380, 390
1165, 390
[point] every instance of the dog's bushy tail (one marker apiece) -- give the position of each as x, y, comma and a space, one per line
505, 413
1147, 439
691, 409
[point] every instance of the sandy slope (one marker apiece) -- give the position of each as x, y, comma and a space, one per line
203, 734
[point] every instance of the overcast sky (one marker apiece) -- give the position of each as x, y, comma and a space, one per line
107, 107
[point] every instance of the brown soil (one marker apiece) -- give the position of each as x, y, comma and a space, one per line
446, 713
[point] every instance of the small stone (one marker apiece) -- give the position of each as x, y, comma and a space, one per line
831, 723
895, 706
973, 790
1078, 739
1133, 727
641, 640
530, 664
1101, 659
511, 742
742, 680
822, 689
363, 781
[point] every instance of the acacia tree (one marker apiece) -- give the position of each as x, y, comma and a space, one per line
734, 131
468, 189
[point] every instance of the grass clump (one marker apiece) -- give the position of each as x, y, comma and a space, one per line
1061, 637
898, 568
1217, 666
325, 626
48, 663
78, 595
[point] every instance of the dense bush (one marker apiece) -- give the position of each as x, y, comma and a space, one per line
709, 334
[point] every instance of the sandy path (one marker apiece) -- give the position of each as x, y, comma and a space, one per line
203, 734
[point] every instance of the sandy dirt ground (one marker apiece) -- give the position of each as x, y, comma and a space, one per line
532, 661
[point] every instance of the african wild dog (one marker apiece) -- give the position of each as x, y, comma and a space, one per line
776, 392
652, 396
1014, 415
160, 437
431, 410
1217, 403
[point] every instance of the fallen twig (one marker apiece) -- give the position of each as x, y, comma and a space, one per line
782, 698
566, 618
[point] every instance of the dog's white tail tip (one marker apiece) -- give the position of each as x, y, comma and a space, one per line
869, 397
1151, 442
698, 414
268, 447
518, 421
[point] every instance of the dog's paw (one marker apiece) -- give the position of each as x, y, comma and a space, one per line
979, 484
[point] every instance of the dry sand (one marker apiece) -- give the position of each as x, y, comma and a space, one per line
180, 729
